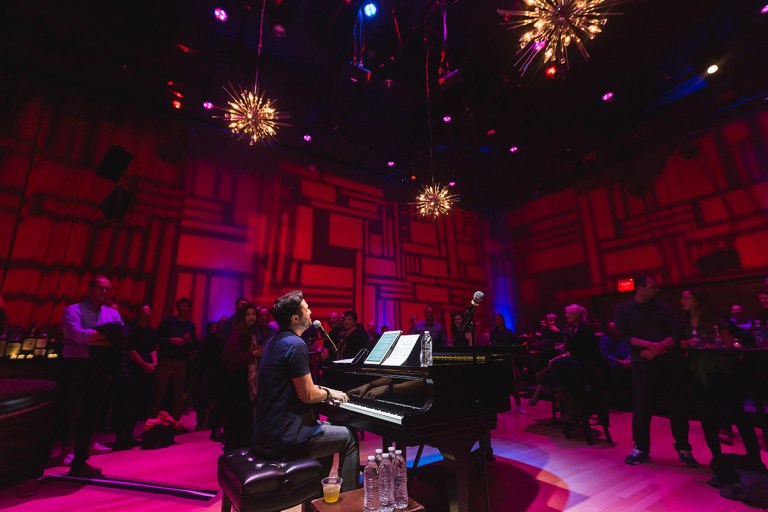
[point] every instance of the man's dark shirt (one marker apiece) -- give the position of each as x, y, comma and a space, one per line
353, 342
651, 321
502, 336
282, 419
172, 327
143, 340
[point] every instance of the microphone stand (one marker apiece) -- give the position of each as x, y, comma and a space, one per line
471, 327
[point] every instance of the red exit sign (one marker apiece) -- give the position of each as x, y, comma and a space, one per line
626, 285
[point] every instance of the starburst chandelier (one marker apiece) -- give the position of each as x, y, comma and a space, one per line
250, 114
433, 200
553, 25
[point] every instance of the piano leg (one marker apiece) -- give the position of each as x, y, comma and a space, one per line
458, 465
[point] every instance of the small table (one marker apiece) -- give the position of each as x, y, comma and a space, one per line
352, 501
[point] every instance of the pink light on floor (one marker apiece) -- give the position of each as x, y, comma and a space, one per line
220, 14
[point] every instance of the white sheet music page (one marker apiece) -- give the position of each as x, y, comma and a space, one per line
402, 350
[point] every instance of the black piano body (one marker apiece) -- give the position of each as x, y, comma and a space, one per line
450, 405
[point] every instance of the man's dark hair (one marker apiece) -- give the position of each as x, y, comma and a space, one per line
95, 280
350, 313
285, 307
429, 306
642, 280
241, 299
182, 301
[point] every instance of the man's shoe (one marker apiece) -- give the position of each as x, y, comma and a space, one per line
100, 448
637, 457
687, 458
85, 470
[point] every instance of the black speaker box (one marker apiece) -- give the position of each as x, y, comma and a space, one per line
117, 204
114, 163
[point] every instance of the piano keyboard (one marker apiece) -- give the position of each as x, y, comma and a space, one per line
387, 411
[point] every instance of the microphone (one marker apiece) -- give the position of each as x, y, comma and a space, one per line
319, 327
470, 312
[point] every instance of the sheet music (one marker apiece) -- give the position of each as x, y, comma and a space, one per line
383, 346
402, 350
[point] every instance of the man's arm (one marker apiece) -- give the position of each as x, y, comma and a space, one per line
71, 325
310, 393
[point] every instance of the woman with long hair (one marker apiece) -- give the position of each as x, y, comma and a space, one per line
240, 356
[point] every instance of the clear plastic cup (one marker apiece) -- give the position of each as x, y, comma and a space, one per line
331, 488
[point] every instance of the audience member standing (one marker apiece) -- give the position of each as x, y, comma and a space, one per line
213, 369
435, 328
137, 389
240, 353
500, 334
85, 371
354, 338
176, 334
658, 367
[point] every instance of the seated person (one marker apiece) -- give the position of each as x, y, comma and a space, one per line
285, 423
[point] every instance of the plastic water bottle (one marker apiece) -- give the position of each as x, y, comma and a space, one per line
426, 349
401, 481
371, 500
378, 456
386, 484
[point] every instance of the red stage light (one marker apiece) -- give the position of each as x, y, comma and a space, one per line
551, 71
176, 104
413, 178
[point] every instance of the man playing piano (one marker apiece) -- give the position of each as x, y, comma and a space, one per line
285, 423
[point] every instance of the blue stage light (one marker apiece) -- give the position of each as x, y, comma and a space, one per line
369, 9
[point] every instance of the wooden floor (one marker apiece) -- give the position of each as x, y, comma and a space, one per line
536, 469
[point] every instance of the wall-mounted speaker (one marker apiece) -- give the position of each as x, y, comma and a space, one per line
117, 203
114, 163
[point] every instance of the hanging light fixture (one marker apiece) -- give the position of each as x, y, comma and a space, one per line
552, 25
433, 199
250, 114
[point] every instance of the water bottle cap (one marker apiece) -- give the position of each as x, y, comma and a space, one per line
371, 458
391, 449
378, 450
398, 452
426, 332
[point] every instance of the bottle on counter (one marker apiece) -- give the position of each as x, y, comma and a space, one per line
386, 484
401, 481
371, 501
426, 349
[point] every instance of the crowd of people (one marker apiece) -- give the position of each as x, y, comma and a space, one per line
251, 376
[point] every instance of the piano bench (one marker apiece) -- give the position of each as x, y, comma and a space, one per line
251, 484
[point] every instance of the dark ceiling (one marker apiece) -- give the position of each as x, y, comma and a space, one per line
652, 58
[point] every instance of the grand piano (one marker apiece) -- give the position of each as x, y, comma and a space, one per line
450, 406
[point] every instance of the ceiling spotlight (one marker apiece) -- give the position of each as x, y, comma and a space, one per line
390, 164
176, 104
369, 9
452, 184
207, 105
712, 69
278, 30
307, 138
764, 9
513, 149
607, 96
220, 14
491, 132
447, 119
413, 177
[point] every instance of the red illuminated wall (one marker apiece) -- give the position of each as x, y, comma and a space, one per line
213, 219
704, 216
